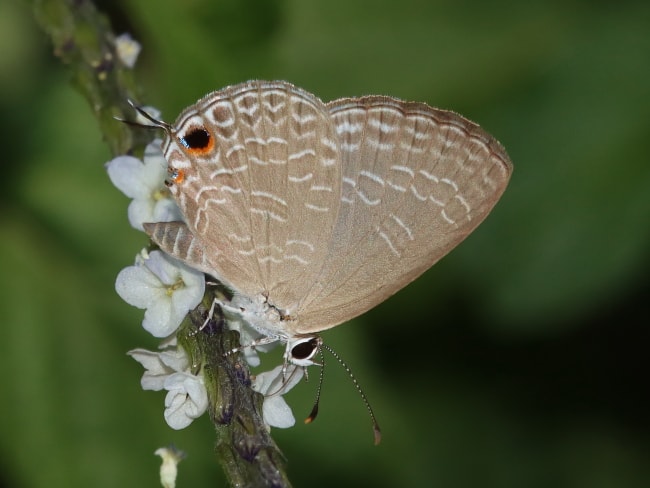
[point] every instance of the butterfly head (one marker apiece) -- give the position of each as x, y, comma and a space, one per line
301, 350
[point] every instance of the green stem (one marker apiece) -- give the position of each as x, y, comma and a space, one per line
247, 452
83, 39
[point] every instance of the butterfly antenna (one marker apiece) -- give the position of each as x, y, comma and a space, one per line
284, 382
314, 410
375, 424
156, 124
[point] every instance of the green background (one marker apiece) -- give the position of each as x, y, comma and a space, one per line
520, 360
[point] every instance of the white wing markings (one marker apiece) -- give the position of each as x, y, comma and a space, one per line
223, 123
347, 127
422, 198
303, 118
271, 196
395, 186
238, 238
316, 208
321, 188
464, 203
265, 142
209, 190
402, 225
403, 169
308, 245
446, 217
450, 183
429, 176
250, 111
236, 147
275, 260
225, 171
382, 146
372, 176
388, 241
265, 212
329, 143
301, 179
407, 146
347, 146
302, 153
256, 160
382, 126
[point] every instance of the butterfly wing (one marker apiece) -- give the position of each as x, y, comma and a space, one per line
416, 182
257, 175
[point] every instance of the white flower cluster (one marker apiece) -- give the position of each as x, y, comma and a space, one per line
168, 290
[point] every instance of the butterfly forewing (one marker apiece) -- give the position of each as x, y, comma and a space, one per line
263, 200
416, 181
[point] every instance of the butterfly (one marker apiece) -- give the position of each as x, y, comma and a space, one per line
312, 213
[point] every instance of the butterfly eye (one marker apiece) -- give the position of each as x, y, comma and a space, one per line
305, 350
198, 140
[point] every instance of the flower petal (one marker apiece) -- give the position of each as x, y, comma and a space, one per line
138, 286
187, 399
167, 288
124, 172
162, 320
159, 365
277, 413
166, 210
273, 384
141, 211
144, 181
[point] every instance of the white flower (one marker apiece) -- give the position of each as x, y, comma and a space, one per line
127, 49
144, 182
186, 400
187, 397
159, 365
273, 384
169, 467
167, 288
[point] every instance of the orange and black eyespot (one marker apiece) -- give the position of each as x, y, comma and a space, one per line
177, 176
197, 140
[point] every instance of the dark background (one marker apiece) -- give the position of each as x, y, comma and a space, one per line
519, 360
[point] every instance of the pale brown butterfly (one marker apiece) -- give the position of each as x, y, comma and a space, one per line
312, 213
